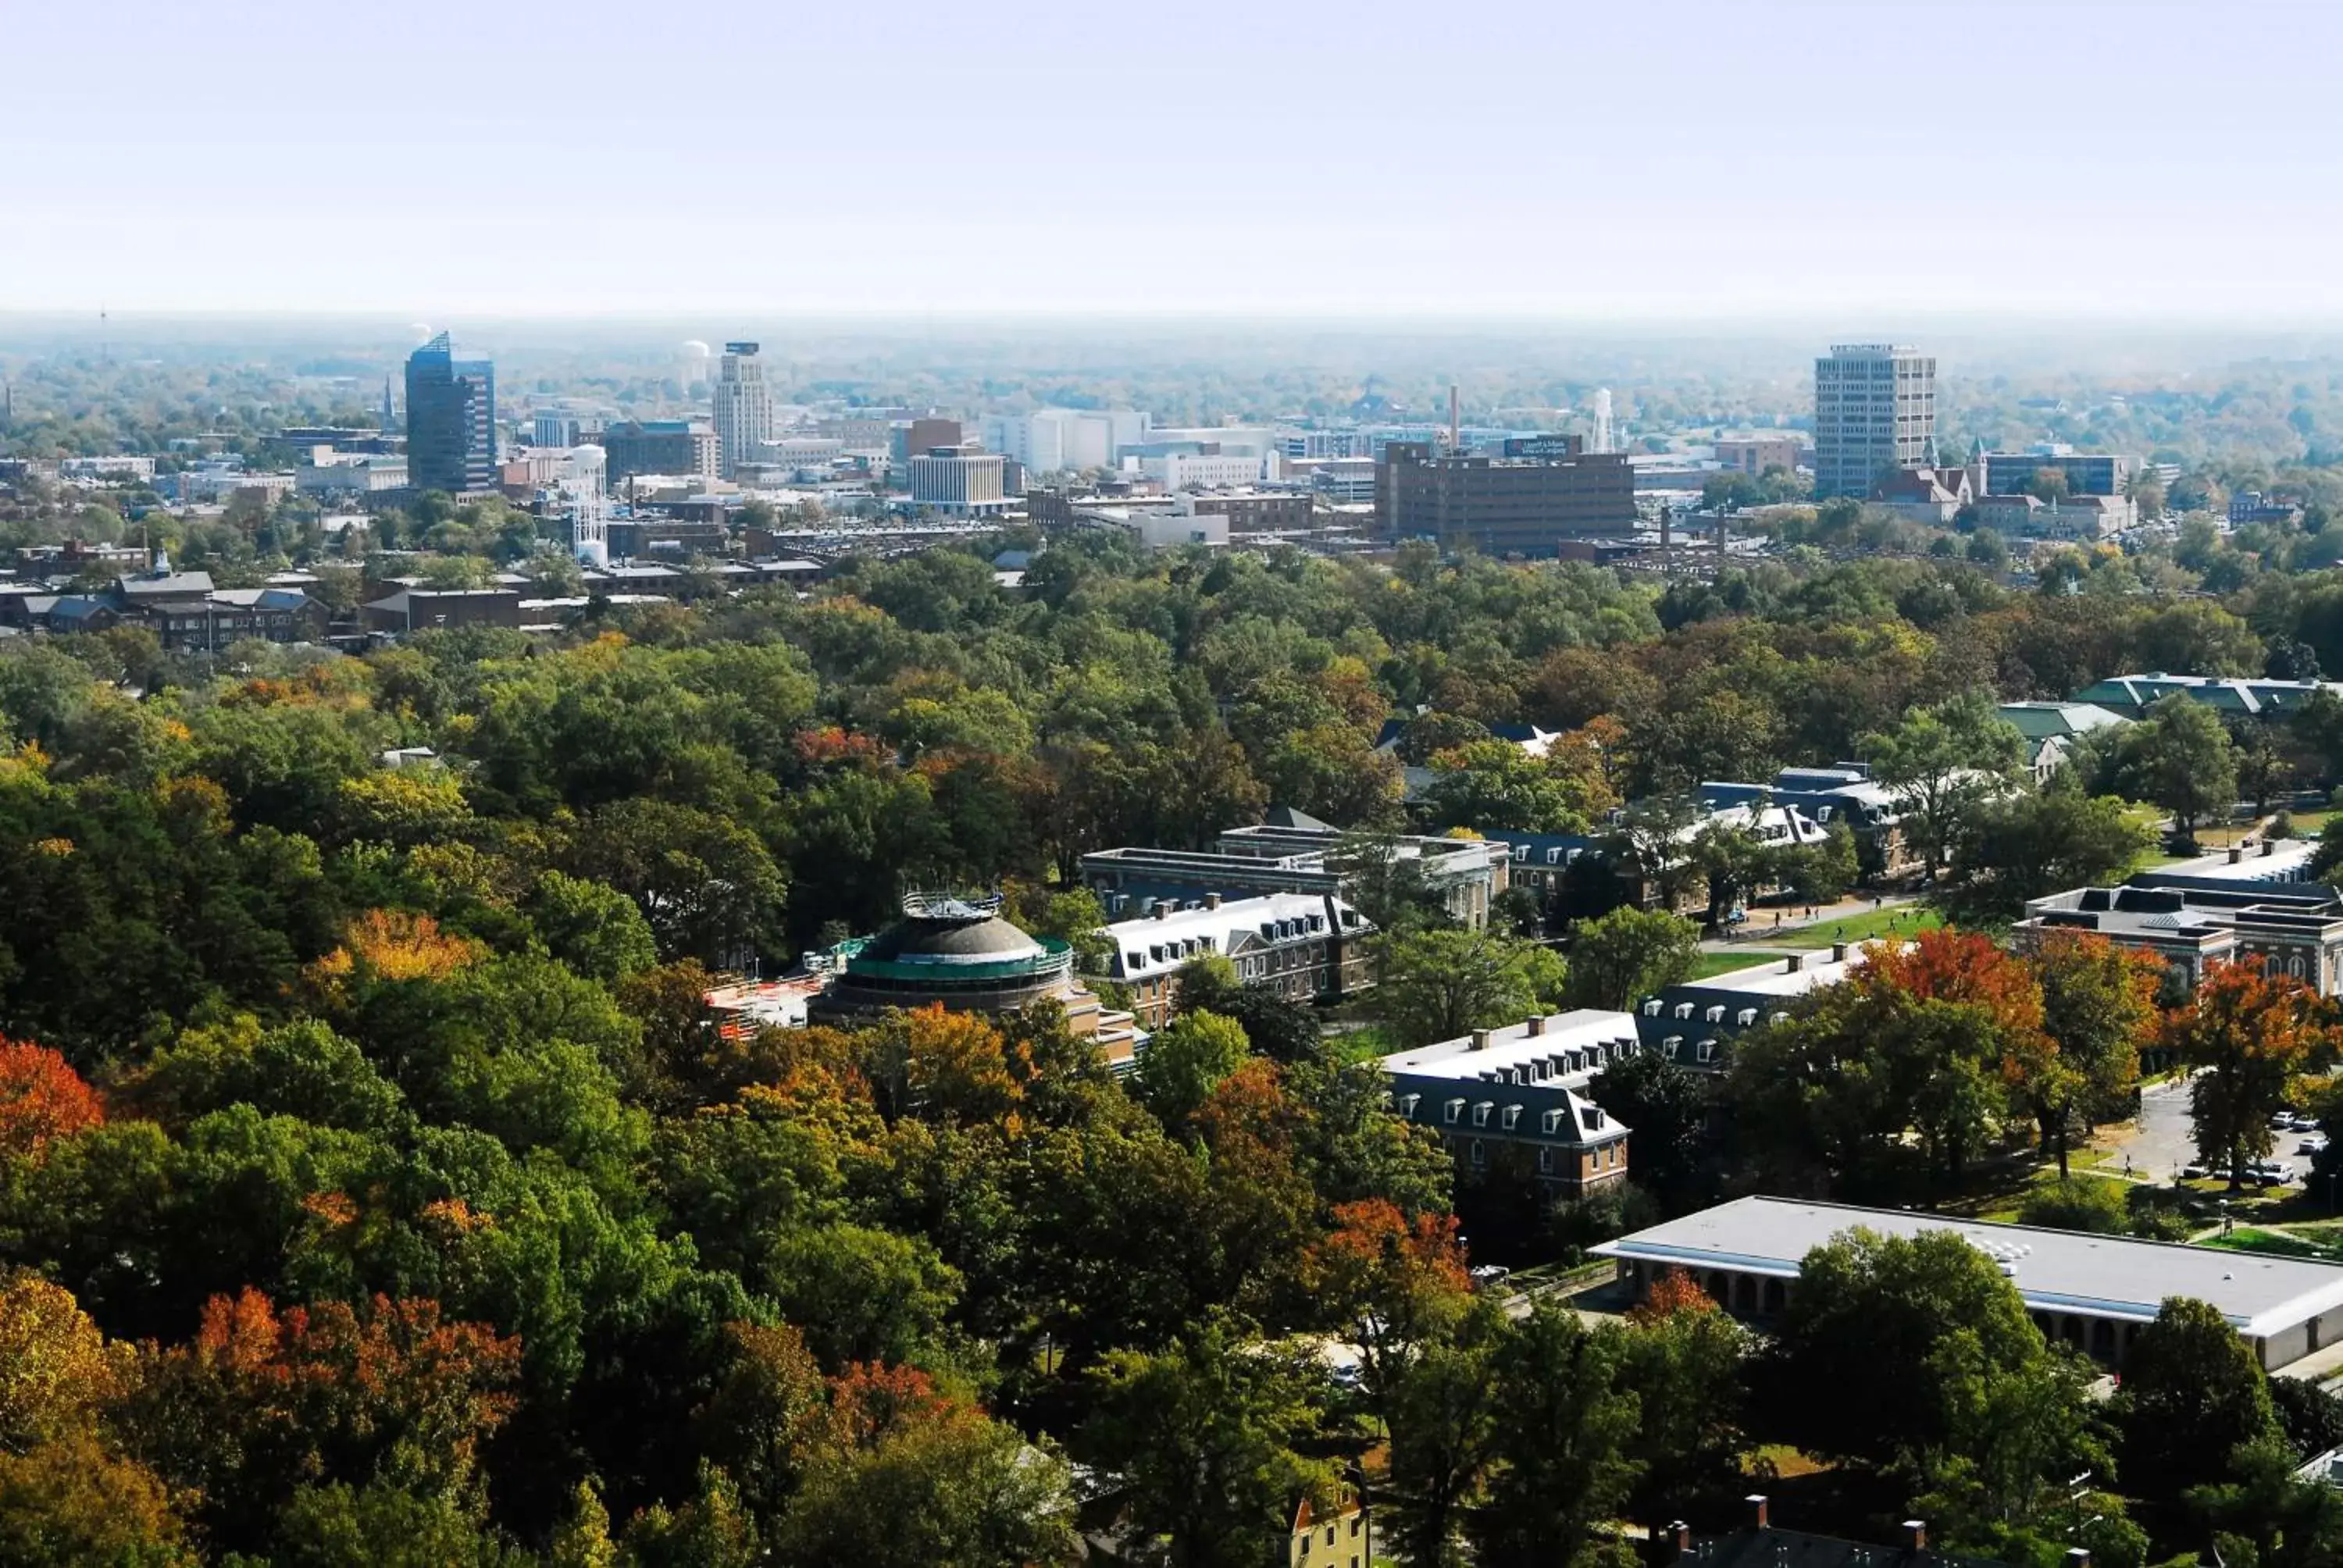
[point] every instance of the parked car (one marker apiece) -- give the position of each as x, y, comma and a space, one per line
2311, 1146
2193, 1173
1488, 1276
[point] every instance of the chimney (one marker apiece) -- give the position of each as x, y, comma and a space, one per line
2268, 846
1838, 952
2078, 1557
1758, 1518
1916, 1536
1793, 963
1680, 1539
1212, 901
2236, 853
1480, 1039
1163, 908
1537, 1025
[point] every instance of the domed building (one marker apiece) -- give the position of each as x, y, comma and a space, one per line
960, 953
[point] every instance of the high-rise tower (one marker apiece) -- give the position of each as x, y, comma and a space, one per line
744, 407
1875, 411
451, 420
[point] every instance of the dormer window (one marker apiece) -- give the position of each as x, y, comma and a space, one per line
1684, 1010
1554, 856
1707, 1050
1745, 1017
1481, 1113
1673, 1045
1452, 1109
1552, 1122
1407, 1105
1715, 1014
1779, 1018
1652, 1008
1510, 1119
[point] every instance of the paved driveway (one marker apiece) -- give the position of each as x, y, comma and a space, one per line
2161, 1142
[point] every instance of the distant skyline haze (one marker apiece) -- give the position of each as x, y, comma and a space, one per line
1689, 159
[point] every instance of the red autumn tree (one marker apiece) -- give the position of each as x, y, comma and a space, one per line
41, 1098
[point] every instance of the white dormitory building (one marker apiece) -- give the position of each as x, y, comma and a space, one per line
1305, 947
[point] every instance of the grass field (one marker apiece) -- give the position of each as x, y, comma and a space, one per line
1898, 921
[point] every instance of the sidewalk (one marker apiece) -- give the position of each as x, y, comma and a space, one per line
1798, 930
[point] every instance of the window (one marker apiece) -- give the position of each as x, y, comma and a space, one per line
1673, 1045
1407, 1105
1454, 1109
1512, 1117
1745, 1017
1545, 1161
1715, 1014
1684, 1010
1590, 1119
1481, 1114
1706, 1052
1554, 856
1480, 1156
1553, 1122
1651, 1008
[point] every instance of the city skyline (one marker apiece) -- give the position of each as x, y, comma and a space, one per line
1577, 164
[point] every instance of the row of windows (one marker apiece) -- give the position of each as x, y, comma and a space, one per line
1610, 1157
1713, 1013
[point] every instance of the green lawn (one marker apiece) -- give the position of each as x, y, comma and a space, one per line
1708, 964
1897, 920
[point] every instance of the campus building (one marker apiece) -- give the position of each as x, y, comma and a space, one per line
960, 955
2093, 1292
2128, 696
2282, 929
1694, 1024
1517, 1093
1305, 948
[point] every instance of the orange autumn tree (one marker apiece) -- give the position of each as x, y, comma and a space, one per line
1674, 1292
1393, 1283
41, 1098
2250, 1036
266, 1399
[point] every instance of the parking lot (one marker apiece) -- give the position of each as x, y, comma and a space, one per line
2161, 1146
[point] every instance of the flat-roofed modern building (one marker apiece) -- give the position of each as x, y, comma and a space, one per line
1875, 412
2085, 473
958, 482
1517, 1090
1542, 492
2292, 929
2093, 1292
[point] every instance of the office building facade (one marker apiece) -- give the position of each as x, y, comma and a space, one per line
1875, 412
451, 420
744, 407
660, 447
2085, 473
958, 482
1541, 491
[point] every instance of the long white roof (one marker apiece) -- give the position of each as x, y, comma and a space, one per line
2054, 1271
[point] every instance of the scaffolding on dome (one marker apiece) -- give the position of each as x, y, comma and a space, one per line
933, 906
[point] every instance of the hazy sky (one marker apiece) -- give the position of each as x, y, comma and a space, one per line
1648, 157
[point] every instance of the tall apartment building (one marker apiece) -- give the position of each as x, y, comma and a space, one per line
451, 420
1543, 489
1875, 410
744, 407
